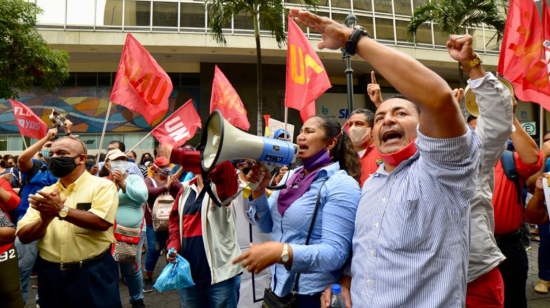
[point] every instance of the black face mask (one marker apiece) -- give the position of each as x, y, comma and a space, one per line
246, 170
62, 166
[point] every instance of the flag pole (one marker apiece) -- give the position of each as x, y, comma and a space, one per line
142, 139
24, 142
286, 122
541, 137
103, 133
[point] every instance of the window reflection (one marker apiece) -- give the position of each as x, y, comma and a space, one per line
417, 3
401, 30
109, 13
382, 6
402, 7
78, 12
424, 34
137, 13
165, 14
365, 5
53, 12
491, 40
243, 21
477, 35
192, 15
384, 29
346, 4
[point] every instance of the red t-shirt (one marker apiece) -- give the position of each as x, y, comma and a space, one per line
508, 213
370, 162
12, 204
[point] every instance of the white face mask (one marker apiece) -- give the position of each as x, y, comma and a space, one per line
119, 165
359, 135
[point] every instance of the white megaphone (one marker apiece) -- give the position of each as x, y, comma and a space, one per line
471, 101
222, 142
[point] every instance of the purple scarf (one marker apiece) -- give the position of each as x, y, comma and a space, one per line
299, 183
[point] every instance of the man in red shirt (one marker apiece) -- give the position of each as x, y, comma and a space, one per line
360, 133
509, 217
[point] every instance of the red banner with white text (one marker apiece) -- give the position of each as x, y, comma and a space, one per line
29, 124
179, 127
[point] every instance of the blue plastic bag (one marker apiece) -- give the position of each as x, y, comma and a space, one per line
175, 276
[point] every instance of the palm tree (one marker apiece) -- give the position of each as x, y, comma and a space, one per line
452, 15
270, 12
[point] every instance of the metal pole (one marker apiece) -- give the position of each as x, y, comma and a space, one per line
103, 133
349, 81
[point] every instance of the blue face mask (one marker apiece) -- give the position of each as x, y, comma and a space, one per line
131, 160
46, 153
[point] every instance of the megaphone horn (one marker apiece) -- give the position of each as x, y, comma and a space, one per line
223, 142
471, 100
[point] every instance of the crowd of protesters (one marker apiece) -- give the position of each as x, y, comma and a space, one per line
411, 205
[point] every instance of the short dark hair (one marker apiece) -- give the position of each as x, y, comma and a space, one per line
399, 96
471, 118
120, 144
369, 115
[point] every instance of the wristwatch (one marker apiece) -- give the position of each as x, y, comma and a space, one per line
473, 63
351, 44
284, 255
63, 213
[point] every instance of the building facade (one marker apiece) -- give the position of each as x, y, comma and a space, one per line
176, 33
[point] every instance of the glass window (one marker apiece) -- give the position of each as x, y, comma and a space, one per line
86, 79
165, 14
15, 143
346, 4
109, 13
137, 13
3, 143
243, 21
134, 138
477, 35
401, 30
53, 14
418, 3
491, 40
382, 6
384, 29
364, 5
192, 15
424, 34
80, 12
103, 79
440, 38
402, 7
322, 3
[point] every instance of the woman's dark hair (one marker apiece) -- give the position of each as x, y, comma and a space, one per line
144, 158
4, 161
343, 152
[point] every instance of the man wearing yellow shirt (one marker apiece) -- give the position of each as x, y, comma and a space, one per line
74, 221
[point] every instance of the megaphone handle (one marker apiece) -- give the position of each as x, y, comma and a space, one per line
264, 167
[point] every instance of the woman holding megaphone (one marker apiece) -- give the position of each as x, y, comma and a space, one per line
312, 219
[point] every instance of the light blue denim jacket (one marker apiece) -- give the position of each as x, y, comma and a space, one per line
321, 262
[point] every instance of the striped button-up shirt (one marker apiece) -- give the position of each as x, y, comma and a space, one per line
411, 240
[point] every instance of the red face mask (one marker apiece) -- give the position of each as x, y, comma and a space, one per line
398, 157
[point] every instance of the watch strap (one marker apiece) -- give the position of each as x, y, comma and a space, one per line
473, 63
351, 44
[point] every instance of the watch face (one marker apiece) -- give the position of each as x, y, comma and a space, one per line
63, 213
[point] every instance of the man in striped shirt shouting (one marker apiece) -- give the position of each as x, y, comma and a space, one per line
412, 231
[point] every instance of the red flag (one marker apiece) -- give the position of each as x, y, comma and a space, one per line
521, 58
179, 127
306, 77
141, 85
546, 30
29, 124
225, 99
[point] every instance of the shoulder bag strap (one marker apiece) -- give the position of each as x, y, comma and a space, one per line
295, 289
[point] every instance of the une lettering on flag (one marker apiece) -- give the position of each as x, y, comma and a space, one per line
141, 85
179, 127
29, 124
306, 77
522, 58
225, 99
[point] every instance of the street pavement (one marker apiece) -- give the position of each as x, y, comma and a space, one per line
171, 299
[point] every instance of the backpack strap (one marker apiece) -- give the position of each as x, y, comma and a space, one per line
509, 165
36, 166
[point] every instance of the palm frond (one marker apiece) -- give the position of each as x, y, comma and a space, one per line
422, 14
271, 15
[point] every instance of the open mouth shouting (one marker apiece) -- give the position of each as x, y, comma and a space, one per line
392, 136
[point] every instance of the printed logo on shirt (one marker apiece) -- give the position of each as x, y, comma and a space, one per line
7, 255
379, 161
